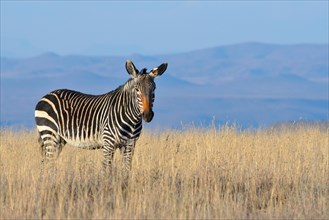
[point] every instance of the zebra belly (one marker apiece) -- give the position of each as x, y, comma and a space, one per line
85, 144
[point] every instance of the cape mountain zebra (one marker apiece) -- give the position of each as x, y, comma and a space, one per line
109, 121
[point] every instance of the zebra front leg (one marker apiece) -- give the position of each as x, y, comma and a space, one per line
108, 151
128, 152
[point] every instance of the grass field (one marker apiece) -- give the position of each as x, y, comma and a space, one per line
195, 173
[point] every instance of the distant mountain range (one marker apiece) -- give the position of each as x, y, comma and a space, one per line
252, 84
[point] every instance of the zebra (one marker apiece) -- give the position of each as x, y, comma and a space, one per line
109, 121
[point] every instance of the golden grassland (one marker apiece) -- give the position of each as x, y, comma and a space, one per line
191, 174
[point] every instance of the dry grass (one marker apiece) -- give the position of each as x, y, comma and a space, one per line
198, 173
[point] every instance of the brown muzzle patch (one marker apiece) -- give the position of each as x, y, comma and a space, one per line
147, 110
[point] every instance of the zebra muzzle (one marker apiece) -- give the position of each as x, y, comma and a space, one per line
148, 116
147, 109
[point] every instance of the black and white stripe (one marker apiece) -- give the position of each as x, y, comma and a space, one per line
109, 121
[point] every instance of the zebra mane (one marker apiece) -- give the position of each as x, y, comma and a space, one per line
127, 86
130, 83
143, 71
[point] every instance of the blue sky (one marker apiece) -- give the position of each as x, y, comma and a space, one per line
122, 28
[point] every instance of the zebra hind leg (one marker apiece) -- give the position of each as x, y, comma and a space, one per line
50, 146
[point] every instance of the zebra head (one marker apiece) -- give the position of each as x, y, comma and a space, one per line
144, 86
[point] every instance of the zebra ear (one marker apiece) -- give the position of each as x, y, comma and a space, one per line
159, 70
131, 69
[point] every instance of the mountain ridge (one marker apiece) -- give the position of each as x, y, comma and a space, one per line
234, 73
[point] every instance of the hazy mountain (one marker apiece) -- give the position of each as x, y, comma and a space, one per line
16, 47
253, 84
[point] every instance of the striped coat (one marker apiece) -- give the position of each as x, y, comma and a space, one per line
109, 121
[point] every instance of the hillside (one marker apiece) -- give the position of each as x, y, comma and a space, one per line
251, 83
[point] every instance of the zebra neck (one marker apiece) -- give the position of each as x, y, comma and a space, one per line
130, 103
133, 104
